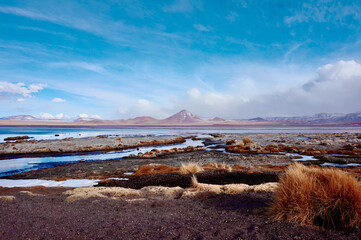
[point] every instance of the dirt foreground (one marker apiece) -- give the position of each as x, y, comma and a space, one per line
44, 213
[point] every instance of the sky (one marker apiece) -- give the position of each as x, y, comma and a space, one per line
234, 59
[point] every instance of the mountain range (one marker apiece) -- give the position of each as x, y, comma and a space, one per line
186, 118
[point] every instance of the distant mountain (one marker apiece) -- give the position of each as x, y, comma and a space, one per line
20, 118
217, 119
321, 118
183, 117
350, 117
90, 120
257, 119
142, 120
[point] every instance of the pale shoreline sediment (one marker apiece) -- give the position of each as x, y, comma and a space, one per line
87, 144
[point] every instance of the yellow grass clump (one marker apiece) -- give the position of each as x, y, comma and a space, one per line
235, 188
190, 167
324, 197
7, 198
217, 189
247, 140
119, 193
155, 169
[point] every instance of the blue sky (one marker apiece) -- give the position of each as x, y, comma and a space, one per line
233, 59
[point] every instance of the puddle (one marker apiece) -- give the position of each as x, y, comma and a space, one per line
48, 183
326, 164
303, 157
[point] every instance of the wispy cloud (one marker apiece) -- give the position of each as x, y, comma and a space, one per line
82, 65
58, 100
293, 49
179, 6
232, 16
29, 13
331, 11
201, 27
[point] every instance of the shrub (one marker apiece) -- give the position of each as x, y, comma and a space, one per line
325, 197
190, 167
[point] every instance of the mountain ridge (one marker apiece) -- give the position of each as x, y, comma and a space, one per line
185, 117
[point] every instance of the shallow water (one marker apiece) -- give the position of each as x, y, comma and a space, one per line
39, 133
326, 164
302, 157
18, 165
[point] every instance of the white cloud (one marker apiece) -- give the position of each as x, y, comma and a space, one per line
20, 88
58, 100
201, 27
84, 115
52, 116
335, 88
59, 116
210, 103
194, 93
144, 107
46, 116
21, 99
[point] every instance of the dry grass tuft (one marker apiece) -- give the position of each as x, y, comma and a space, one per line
155, 169
217, 189
236, 188
324, 197
216, 166
266, 187
247, 140
7, 198
102, 192
31, 193
190, 167
167, 192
